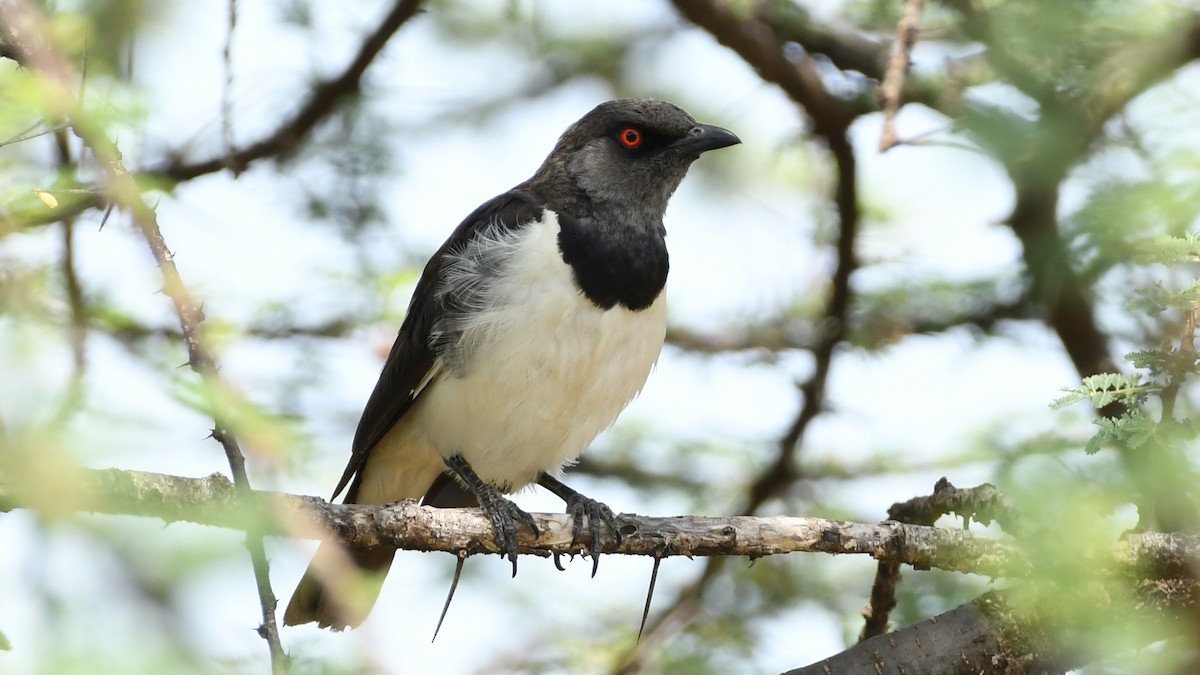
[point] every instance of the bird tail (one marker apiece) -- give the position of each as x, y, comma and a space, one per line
314, 600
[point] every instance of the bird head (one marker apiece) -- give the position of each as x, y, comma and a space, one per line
628, 154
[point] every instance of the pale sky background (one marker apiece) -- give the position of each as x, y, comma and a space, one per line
734, 254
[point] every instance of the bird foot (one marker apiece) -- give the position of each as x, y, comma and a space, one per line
505, 515
582, 508
579, 508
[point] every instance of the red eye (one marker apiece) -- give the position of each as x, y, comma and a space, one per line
630, 137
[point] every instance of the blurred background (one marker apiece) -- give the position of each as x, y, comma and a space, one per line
847, 325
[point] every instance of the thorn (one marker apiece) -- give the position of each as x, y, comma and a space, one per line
458, 567
104, 219
649, 596
558, 561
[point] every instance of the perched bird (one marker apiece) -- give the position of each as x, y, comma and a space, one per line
530, 330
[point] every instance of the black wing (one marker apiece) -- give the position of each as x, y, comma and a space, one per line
413, 355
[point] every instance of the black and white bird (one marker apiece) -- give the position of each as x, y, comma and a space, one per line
530, 330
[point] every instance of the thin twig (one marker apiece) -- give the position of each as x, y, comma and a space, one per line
321, 102
190, 317
77, 329
783, 472
227, 84
892, 88
757, 43
23, 25
1187, 345
33, 132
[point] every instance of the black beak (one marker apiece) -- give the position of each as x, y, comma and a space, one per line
702, 138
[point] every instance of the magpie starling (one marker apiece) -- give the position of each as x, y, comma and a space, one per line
530, 330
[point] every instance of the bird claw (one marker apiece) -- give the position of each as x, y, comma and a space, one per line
506, 517
581, 508
504, 514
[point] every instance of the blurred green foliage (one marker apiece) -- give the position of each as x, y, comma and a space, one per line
1042, 90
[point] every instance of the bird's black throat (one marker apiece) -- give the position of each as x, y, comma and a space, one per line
615, 264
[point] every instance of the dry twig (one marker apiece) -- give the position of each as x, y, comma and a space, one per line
892, 88
215, 501
23, 25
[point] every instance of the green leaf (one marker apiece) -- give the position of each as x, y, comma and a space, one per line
1170, 251
1070, 399
1104, 389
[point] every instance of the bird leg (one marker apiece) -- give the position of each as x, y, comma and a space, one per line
580, 507
503, 513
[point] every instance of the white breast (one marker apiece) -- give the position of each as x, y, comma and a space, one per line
545, 372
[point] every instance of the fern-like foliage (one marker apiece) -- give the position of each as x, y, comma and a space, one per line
1160, 372
1171, 251
1104, 389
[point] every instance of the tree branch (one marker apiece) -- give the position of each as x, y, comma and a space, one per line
215, 501
321, 102
846, 48
760, 47
1130, 71
983, 504
833, 328
995, 635
24, 29
1150, 564
755, 42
